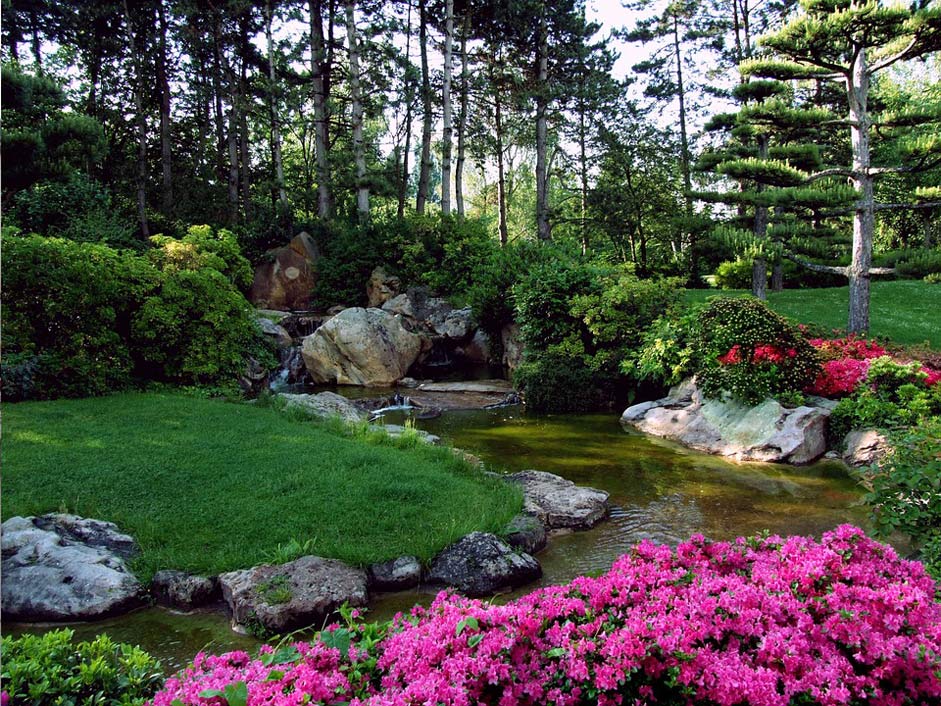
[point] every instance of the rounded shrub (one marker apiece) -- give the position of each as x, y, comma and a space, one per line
52, 669
752, 353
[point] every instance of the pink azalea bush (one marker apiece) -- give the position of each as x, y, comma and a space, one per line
845, 364
766, 622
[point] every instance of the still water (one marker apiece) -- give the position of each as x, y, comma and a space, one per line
659, 491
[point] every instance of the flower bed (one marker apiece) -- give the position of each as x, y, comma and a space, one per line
767, 622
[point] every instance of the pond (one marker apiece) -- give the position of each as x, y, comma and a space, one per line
659, 491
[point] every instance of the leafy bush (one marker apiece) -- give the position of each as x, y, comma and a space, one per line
559, 380
734, 274
52, 669
905, 490
751, 352
757, 622
490, 296
895, 395
845, 364
933, 278
201, 248
668, 352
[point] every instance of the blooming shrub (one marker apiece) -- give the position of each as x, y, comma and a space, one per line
845, 364
751, 352
767, 622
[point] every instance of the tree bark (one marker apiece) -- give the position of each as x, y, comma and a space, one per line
409, 101
501, 173
864, 217
274, 113
424, 171
220, 117
446, 108
359, 154
583, 174
462, 120
759, 272
232, 141
141, 126
319, 72
163, 82
542, 105
777, 276
684, 142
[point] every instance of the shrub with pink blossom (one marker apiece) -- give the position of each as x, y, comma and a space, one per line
768, 622
845, 364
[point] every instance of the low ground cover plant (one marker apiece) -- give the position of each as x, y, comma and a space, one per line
762, 622
53, 669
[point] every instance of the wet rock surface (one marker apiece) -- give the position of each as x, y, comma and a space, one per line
394, 575
559, 503
323, 404
182, 591
481, 564
64, 567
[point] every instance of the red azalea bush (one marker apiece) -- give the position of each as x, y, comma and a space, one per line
845, 364
765, 622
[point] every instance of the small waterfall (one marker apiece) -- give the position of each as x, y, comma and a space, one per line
292, 372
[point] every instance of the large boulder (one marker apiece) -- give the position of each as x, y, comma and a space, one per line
287, 277
481, 564
865, 447
360, 347
432, 317
559, 503
285, 597
512, 347
64, 567
767, 432
382, 287
324, 404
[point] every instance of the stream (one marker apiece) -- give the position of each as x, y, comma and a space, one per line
659, 491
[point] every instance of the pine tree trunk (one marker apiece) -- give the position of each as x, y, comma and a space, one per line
409, 100
583, 174
359, 154
220, 117
501, 173
424, 171
446, 108
244, 154
462, 121
276, 158
759, 272
163, 82
232, 141
319, 78
141, 120
684, 143
864, 216
777, 276
542, 105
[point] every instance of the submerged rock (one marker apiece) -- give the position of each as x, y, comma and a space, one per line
280, 598
359, 346
323, 404
559, 503
527, 532
64, 567
766, 432
182, 591
394, 575
481, 564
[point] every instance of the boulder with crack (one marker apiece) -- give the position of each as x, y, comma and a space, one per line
558, 503
280, 598
64, 567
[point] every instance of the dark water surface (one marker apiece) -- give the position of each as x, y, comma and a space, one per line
659, 491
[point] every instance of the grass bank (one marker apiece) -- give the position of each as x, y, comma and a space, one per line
209, 486
907, 312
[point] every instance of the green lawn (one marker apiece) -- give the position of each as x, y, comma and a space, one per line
209, 486
907, 312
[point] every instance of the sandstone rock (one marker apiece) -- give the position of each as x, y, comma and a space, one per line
360, 347
559, 503
182, 591
394, 575
480, 564
284, 282
63, 567
474, 394
527, 533
289, 596
766, 432
457, 324
865, 447
478, 349
512, 347
382, 287
431, 317
277, 332
324, 404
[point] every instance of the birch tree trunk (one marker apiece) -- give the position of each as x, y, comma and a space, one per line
424, 171
359, 154
446, 108
318, 73
141, 120
274, 113
542, 101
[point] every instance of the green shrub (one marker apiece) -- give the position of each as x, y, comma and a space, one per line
490, 296
734, 274
52, 669
751, 352
905, 490
668, 352
201, 248
894, 396
933, 278
562, 381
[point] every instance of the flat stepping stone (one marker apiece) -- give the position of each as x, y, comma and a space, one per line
558, 502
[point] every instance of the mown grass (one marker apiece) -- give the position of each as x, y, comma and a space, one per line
907, 312
209, 486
